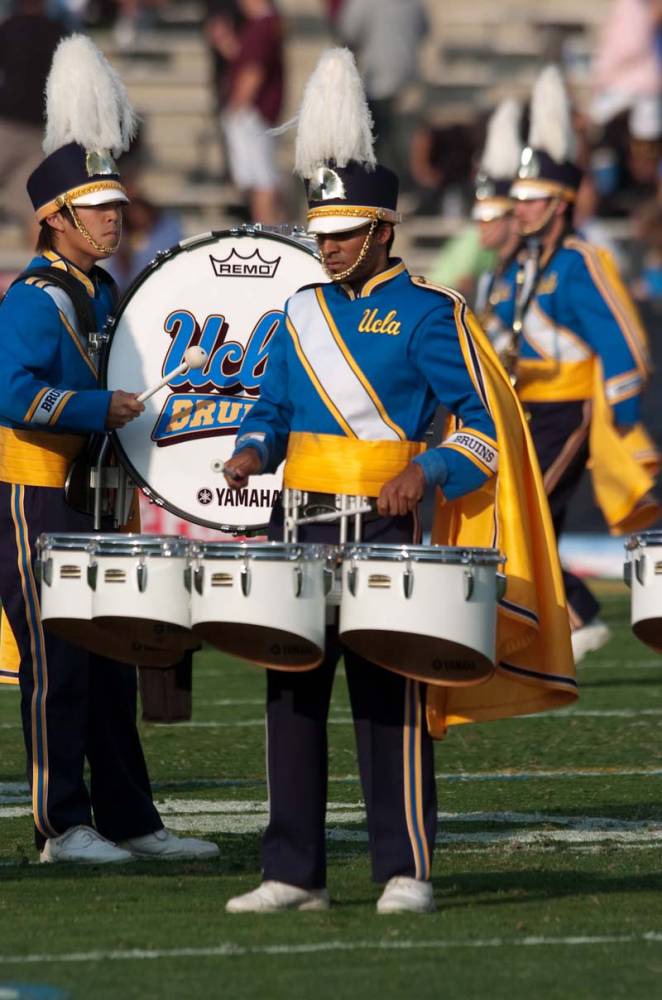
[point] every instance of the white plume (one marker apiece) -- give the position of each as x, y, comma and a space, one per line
334, 121
86, 101
503, 144
551, 125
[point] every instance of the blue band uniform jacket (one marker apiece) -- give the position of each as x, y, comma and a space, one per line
43, 419
354, 375
582, 340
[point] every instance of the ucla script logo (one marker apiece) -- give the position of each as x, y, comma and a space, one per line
213, 400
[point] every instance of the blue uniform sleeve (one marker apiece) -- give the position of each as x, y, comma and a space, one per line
466, 459
606, 318
45, 383
267, 425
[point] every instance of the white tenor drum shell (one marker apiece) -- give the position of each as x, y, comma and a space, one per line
643, 574
67, 568
428, 612
66, 597
139, 592
263, 602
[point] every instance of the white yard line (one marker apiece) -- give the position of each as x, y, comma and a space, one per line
251, 816
15, 792
346, 720
230, 950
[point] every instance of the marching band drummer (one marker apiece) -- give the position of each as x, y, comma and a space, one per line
74, 705
569, 335
355, 373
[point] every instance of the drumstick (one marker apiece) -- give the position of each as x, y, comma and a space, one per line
334, 515
194, 357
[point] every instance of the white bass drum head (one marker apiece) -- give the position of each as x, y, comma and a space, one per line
226, 293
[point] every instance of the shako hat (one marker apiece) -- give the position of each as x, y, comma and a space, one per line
89, 121
547, 166
499, 163
345, 186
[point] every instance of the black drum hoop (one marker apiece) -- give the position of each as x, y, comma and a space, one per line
295, 237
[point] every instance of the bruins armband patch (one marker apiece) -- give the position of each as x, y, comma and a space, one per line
480, 450
49, 406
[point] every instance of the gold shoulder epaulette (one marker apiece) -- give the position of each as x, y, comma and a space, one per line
421, 282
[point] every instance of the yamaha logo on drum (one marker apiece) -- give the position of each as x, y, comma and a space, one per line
236, 266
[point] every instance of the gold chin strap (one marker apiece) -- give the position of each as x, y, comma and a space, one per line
344, 275
539, 226
99, 247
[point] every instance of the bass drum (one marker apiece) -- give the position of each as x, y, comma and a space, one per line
225, 292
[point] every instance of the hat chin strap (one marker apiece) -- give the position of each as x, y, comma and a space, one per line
349, 271
107, 251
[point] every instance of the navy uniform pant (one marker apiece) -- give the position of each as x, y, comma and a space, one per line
560, 434
74, 705
395, 755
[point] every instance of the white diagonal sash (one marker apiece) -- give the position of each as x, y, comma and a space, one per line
333, 373
550, 340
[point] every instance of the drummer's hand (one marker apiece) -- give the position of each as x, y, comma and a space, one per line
400, 495
124, 406
238, 470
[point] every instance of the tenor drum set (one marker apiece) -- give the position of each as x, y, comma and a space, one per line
195, 327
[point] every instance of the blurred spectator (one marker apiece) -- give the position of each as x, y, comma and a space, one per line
442, 162
251, 98
147, 229
28, 39
385, 36
221, 16
332, 8
461, 261
69, 12
626, 69
648, 229
130, 15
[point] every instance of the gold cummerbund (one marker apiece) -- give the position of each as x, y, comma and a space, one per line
328, 463
37, 458
10, 658
554, 381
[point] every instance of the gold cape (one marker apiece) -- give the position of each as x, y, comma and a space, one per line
535, 667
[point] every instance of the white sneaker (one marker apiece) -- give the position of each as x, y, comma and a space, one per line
84, 845
406, 895
270, 897
162, 845
589, 638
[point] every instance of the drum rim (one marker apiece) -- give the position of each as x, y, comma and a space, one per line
461, 554
133, 544
262, 551
111, 326
643, 538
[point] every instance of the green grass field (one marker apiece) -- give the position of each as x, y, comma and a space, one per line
547, 871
